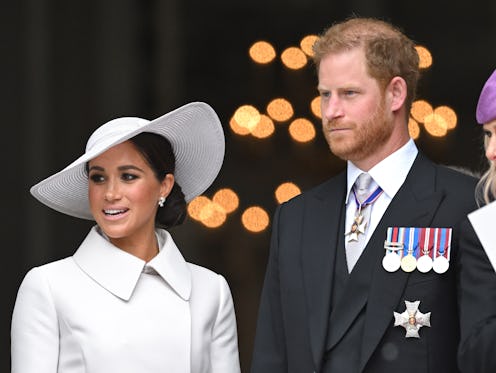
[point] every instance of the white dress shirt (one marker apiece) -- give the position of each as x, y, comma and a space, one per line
389, 174
104, 310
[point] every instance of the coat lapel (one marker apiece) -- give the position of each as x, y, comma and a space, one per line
323, 216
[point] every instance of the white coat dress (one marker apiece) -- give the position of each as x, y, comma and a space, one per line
104, 310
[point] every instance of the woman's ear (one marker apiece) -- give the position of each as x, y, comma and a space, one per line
397, 91
166, 185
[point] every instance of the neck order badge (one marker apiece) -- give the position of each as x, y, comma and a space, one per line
417, 248
359, 189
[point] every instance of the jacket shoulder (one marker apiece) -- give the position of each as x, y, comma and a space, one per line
320, 191
462, 177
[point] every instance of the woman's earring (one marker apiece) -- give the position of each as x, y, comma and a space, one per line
161, 201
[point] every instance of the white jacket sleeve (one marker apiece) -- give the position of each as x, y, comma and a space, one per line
35, 332
224, 350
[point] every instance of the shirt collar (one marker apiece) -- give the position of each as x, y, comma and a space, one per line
118, 271
400, 161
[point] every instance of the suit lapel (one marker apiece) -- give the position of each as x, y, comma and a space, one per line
323, 216
414, 205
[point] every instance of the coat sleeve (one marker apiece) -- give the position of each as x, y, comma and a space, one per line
34, 332
269, 353
477, 307
224, 349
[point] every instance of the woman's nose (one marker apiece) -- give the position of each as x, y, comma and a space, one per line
112, 192
491, 149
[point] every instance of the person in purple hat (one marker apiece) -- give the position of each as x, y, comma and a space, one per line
476, 352
486, 115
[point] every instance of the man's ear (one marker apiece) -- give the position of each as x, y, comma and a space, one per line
397, 92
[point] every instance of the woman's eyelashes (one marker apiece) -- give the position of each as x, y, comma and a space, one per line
98, 178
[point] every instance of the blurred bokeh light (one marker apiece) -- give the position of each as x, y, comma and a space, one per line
425, 57
226, 198
293, 58
286, 191
280, 109
255, 219
307, 43
302, 130
262, 52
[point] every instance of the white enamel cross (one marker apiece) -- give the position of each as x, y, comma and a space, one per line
412, 319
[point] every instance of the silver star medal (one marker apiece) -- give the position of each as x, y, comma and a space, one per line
412, 319
358, 226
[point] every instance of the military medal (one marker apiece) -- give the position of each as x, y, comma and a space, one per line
412, 319
409, 262
442, 246
392, 260
424, 263
359, 223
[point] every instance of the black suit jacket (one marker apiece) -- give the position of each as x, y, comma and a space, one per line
294, 316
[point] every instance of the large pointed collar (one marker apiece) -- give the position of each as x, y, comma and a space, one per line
118, 271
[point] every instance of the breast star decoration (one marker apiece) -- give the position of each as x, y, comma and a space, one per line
412, 319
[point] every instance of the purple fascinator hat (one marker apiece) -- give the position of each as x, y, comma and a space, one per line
486, 107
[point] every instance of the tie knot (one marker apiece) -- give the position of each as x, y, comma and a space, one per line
362, 183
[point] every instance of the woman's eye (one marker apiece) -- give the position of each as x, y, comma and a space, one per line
97, 178
487, 134
128, 177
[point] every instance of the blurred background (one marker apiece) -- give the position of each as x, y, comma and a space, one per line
70, 66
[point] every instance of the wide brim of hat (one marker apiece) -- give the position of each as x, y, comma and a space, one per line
197, 138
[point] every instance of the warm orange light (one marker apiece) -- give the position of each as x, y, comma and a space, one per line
227, 199
247, 116
425, 57
196, 206
421, 109
448, 114
307, 43
286, 191
413, 128
265, 127
315, 107
255, 219
435, 125
294, 58
213, 215
280, 109
262, 52
302, 130
237, 129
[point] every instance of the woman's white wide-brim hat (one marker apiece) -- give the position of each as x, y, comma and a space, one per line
194, 131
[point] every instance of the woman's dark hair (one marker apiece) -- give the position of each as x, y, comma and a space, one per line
157, 151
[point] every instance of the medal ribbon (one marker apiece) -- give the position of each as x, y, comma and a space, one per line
444, 246
443, 242
369, 200
406, 241
415, 243
448, 243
